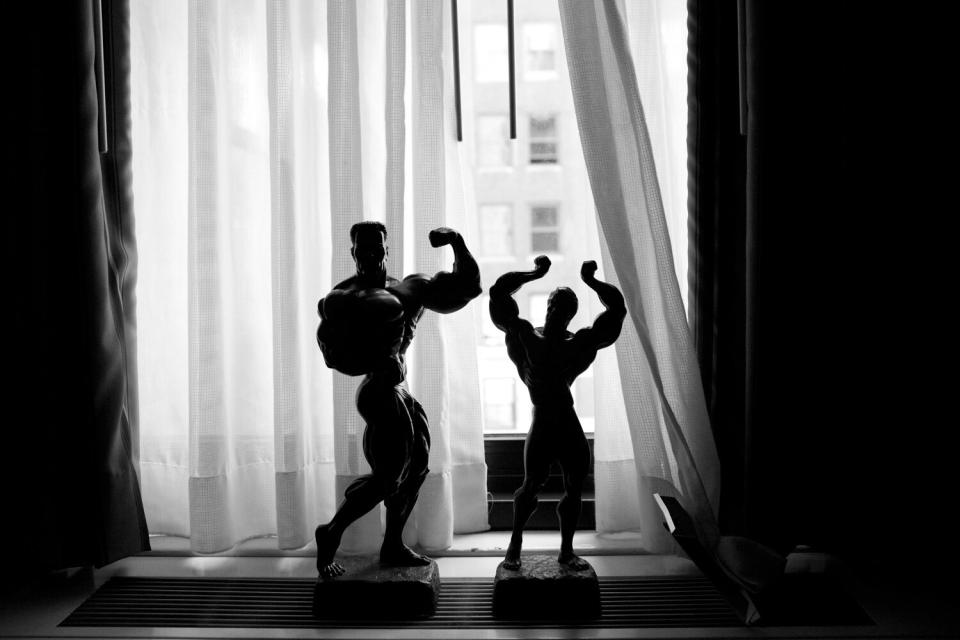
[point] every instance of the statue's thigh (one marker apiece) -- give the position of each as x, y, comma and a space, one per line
575, 459
387, 439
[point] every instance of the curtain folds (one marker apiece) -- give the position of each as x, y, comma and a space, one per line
255, 164
70, 486
665, 423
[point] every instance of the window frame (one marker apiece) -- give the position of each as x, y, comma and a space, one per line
531, 140
556, 228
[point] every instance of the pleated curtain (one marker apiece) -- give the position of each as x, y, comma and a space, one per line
263, 131
652, 429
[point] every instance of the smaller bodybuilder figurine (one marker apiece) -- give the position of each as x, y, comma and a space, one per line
549, 358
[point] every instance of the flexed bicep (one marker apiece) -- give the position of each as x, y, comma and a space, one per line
503, 308
606, 328
449, 291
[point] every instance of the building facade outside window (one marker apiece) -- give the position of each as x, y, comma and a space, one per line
496, 230
533, 195
543, 139
494, 147
539, 51
499, 403
490, 53
544, 229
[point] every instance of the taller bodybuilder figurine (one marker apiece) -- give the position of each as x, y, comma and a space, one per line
549, 359
367, 323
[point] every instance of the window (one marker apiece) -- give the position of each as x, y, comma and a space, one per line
496, 230
489, 334
499, 403
539, 51
490, 53
493, 141
543, 139
544, 229
538, 308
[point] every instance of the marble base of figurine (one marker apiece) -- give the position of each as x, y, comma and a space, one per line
368, 590
544, 588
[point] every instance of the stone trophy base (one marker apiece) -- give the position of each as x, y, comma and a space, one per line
543, 588
368, 590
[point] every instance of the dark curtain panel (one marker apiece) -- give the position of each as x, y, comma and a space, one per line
70, 486
770, 259
718, 284
817, 256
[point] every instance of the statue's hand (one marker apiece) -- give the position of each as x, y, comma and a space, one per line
442, 236
542, 265
588, 270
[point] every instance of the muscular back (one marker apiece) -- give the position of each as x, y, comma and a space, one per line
548, 366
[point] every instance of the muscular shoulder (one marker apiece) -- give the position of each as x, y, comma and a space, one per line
345, 285
585, 338
522, 329
412, 286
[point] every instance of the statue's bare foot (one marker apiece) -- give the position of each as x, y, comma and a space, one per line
572, 561
327, 543
511, 561
402, 556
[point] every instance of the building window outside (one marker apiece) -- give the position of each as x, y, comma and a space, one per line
499, 404
490, 53
493, 141
544, 229
496, 231
543, 139
540, 51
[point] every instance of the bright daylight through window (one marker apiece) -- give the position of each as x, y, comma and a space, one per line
533, 194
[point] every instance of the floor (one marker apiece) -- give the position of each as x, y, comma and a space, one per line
900, 611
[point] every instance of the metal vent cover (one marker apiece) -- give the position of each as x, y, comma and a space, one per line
667, 602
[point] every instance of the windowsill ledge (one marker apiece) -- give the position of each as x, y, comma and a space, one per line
485, 544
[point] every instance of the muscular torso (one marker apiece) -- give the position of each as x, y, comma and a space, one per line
548, 366
367, 330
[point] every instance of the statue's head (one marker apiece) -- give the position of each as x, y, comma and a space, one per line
561, 307
369, 250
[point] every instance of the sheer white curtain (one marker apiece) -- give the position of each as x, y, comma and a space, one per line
652, 430
262, 132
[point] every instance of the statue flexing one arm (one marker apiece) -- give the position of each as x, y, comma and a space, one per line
549, 358
366, 324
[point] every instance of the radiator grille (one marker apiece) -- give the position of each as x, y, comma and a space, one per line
286, 603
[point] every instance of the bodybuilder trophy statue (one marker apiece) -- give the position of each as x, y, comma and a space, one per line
549, 358
366, 324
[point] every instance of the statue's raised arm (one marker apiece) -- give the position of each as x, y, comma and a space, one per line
606, 328
503, 308
448, 291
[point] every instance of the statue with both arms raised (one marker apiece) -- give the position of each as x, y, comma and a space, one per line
367, 323
548, 359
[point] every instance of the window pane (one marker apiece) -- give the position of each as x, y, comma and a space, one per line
493, 141
489, 334
496, 230
490, 52
540, 51
543, 139
538, 308
543, 127
543, 217
544, 242
499, 402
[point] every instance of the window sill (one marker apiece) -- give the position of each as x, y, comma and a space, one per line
485, 544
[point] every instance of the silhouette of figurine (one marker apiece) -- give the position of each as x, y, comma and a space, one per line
367, 323
549, 358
